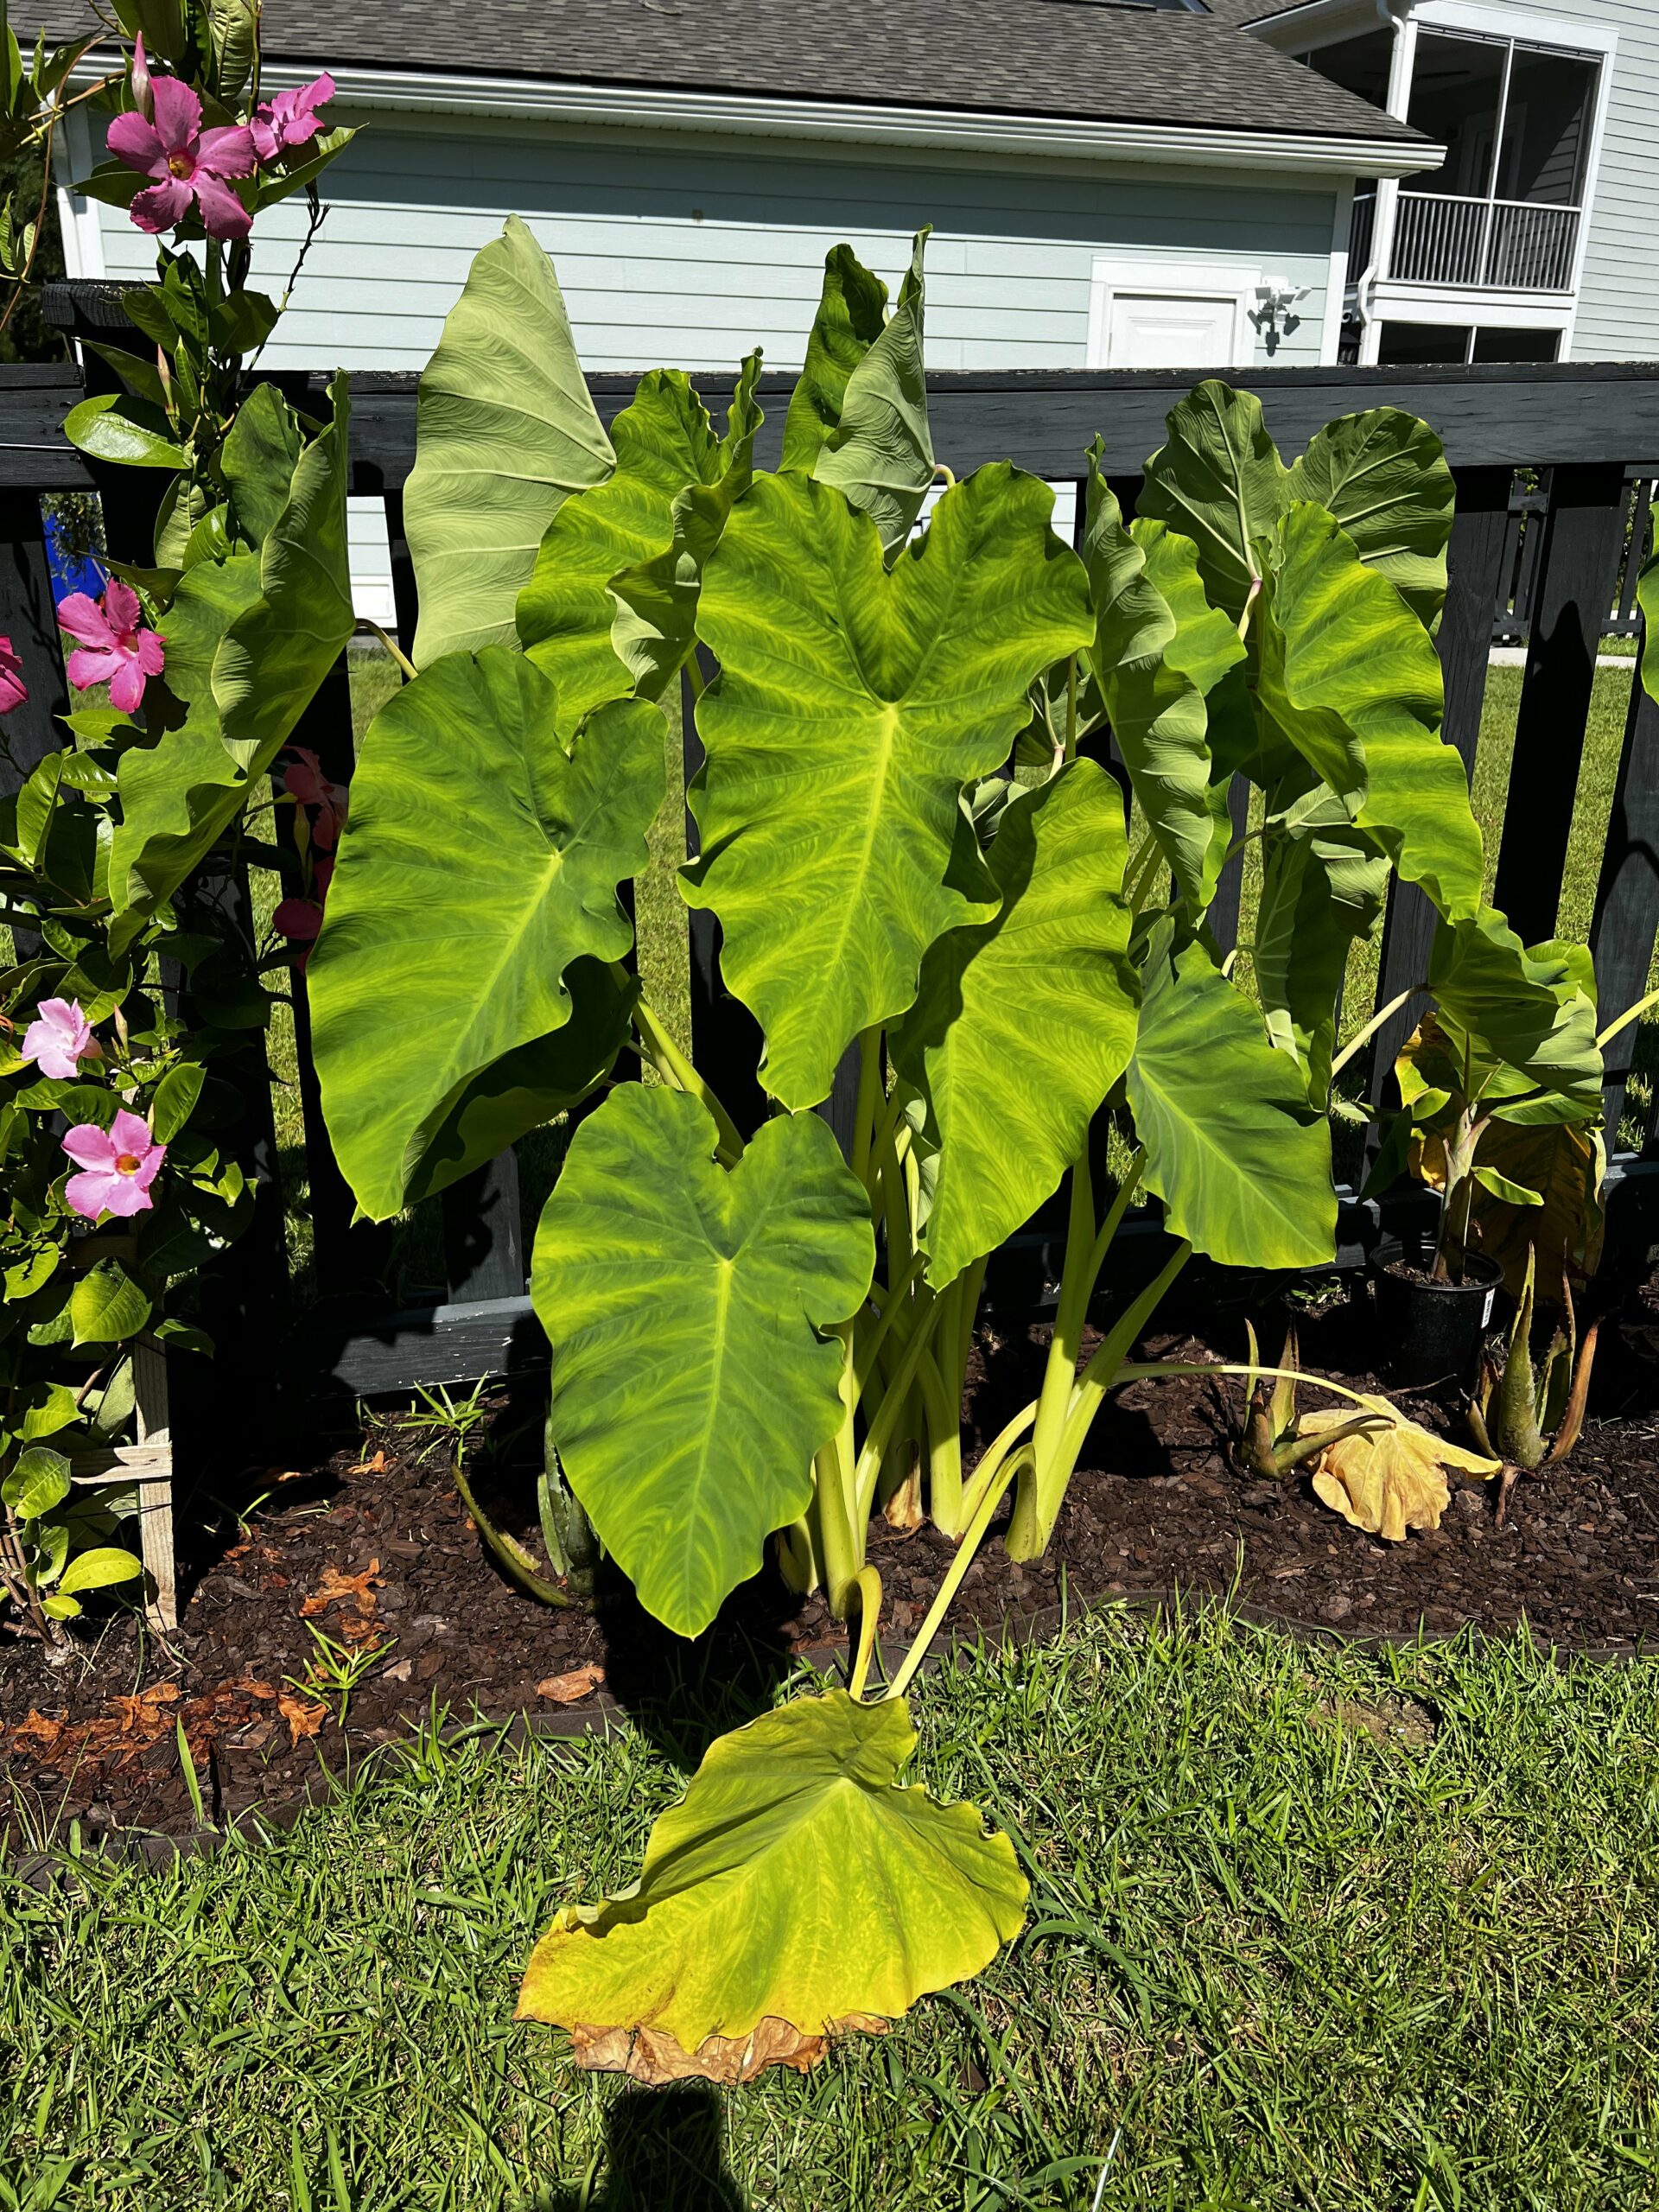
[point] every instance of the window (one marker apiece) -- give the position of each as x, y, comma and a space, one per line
1449, 345
1515, 119
1457, 96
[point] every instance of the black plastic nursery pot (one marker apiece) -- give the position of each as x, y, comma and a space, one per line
1432, 1331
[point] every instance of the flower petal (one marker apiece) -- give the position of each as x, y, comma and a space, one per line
89, 1195
90, 1147
178, 114
86, 669
161, 206
84, 619
152, 653
127, 684
126, 1196
150, 1168
223, 215
130, 1133
228, 152
133, 141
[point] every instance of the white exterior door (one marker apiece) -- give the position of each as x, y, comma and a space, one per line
1149, 330
1174, 314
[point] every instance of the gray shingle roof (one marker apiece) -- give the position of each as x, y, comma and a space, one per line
1060, 58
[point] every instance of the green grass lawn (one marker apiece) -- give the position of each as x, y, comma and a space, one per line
1309, 1928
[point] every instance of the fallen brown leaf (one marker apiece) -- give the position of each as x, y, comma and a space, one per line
334, 1586
569, 1689
303, 1717
375, 1466
252, 1687
35, 1728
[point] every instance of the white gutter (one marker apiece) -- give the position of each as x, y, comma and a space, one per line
753, 115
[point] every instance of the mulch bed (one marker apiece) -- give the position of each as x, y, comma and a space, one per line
373, 1545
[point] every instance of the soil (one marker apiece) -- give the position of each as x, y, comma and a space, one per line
371, 1546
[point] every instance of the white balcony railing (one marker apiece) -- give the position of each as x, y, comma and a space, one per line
1511, 244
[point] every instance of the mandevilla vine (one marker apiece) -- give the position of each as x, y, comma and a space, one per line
915, 854
131, 994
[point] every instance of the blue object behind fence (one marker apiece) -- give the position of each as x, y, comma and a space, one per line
70, 571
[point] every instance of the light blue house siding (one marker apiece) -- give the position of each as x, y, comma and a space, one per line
692, 249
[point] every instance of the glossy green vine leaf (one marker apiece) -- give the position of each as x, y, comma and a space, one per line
1382, 475
798, 1892
505, 431
1159, 649
1024, 1023
690, 1307
1218, 480
1239, 1157
853, 705
479, 864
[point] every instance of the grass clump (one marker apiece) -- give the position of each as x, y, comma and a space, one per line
1308, 1928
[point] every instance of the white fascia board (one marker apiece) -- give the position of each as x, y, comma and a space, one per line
753, 115
1476, 303
1320, 22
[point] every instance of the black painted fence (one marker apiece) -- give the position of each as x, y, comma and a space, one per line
1586, 433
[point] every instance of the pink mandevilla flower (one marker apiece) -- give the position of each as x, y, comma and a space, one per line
305, 782
190, 165
291, 119
12, 689
117, 1167
118, 648
59, 1038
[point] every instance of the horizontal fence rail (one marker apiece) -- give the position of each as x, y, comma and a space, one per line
1582, 430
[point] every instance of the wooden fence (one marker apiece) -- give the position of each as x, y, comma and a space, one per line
1588, 427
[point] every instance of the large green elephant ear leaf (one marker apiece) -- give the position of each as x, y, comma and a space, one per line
477, 871
1530, 1009
1323, 885
664, 442
1240, 1158
1157, 651
655, 623
1383, 475
1220, 482
689, 1309
798, 1892
1351, 678
1024, 1023
852, 315
852, 707
505, 429
881, 453
249, 640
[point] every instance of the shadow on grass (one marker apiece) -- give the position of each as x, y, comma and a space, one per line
664, 2152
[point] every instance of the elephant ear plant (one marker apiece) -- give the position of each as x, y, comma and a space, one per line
921, 873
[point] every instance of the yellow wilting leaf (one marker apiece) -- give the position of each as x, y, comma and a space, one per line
798, 1892
1390, 1479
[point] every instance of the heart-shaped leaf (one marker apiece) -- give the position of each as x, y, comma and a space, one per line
852, 313
1220, 482
504, 430
1024, 1023
479, 864
687, 1307
880, 451
796, 1892
1239, 1158
852, 707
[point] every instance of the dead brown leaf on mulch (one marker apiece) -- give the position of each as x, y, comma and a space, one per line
335, 1588
571, 1688
304, 1717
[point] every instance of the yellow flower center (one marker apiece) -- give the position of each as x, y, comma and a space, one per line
128, 1162
182, 165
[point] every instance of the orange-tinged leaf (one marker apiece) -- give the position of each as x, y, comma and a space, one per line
335, 1586
304, 1717
651, 2055
569, 1689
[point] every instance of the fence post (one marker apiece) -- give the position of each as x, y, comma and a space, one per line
1627, 897
1583, 540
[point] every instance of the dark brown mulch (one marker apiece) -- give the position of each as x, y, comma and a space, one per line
373, 1545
